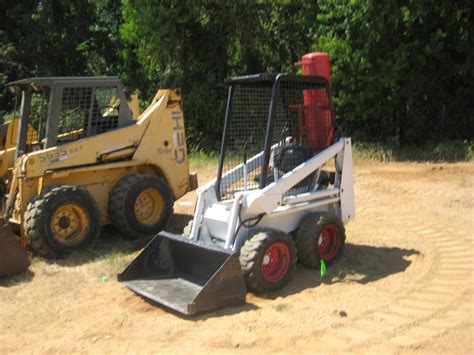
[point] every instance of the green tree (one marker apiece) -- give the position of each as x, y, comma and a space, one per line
61, 37
402, 70
195, 45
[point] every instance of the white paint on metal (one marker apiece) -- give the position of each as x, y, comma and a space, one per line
216, 221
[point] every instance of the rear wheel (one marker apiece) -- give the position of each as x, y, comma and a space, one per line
140, 205
61, 220
320, 236
268, 260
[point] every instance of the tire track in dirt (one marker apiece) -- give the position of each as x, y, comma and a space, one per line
421, 313
405, 284
428, 307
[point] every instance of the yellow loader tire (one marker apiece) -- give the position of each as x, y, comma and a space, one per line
140, 205
61, 220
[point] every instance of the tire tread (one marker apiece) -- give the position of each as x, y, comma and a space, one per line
117, 206
251, 253
38, 208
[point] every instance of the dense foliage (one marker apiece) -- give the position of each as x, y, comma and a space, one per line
403, 70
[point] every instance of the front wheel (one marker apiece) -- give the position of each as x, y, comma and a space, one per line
268, 260
60, 220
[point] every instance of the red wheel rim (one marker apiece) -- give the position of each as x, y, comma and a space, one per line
328, 242
275, 262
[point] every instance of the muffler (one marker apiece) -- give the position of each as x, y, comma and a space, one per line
186, 276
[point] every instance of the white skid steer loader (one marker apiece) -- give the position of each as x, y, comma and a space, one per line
283, 192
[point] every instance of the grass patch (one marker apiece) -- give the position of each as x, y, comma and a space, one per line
202, 158
449, 151
110, 263
117, 260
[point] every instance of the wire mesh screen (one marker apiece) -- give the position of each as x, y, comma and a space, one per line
242, 166
105, 110
75, 106
37, 118
302, 126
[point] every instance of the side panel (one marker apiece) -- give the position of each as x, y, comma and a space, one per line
83, 151
347, 182
99, 183
12, 133
6, 161
164, 145
134, 105
89, 150
7, 154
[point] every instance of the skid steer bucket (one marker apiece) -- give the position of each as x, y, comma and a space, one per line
185, 276
13, 258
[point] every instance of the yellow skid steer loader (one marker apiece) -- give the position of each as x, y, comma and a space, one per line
91, 164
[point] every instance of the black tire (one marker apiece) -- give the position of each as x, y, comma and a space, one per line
122, 202
252, 256
55, 205
315, 228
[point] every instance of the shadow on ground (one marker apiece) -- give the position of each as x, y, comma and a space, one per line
111, 244
12, 280
246, 307
360, 264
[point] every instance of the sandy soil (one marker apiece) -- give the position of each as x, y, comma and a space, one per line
404, 284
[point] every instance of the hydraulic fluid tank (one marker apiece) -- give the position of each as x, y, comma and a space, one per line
317, 126
317, 64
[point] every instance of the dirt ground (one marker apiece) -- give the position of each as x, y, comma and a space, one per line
404, 284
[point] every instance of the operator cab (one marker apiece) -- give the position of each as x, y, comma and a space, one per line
58, 110
273, 123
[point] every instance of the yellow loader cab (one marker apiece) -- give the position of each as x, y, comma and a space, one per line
9, 136
93, 163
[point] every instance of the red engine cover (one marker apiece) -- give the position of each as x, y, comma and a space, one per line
317, 126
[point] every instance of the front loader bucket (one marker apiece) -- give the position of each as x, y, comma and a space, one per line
13, 258
185, 276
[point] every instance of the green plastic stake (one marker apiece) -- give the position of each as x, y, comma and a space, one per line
323, 268
104, 279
